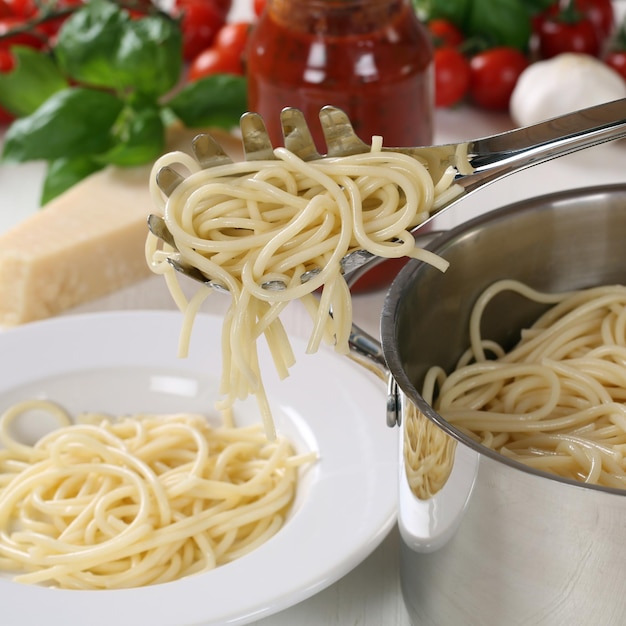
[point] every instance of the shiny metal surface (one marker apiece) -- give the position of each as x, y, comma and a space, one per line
527, 548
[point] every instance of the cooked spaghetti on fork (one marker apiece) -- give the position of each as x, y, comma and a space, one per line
274, 230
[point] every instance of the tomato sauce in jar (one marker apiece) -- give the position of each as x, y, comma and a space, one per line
370, 58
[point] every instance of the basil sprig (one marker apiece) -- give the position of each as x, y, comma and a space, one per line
106, 94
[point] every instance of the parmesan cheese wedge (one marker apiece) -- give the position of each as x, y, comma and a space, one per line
86, 243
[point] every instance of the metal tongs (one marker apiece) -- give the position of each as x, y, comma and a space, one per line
484, 160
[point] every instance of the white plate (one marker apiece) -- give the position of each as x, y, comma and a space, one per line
126, 362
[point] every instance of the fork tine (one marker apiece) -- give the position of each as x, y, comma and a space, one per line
158, 227
341, 140
256, 142
298, 138
208, 152
195, 274
168, 179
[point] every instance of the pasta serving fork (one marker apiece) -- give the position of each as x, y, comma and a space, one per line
477, 162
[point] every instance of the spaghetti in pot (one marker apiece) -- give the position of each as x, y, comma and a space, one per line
253, 224
556, 401
119, 503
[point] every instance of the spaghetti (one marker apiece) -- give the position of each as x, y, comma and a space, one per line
556, 401
111, 504
274, 231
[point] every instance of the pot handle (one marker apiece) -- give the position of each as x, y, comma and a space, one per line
368, 353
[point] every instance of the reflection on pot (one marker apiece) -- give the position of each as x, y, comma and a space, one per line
428, 454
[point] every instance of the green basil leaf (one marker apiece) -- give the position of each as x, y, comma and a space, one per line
101, 46
87, 43
65, 173
149, 57
217, 100
500, 23
30, 83
73, 122
139, 138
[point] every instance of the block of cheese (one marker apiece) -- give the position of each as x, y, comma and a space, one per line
84, 244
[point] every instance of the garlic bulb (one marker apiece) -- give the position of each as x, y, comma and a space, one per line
565, 83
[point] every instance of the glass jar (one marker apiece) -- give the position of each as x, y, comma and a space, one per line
371, 58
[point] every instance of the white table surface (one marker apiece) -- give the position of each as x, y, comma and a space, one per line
370, 595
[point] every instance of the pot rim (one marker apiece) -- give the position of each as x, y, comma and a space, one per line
415, 267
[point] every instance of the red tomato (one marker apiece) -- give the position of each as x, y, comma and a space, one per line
215, 60
452, 76
557, 35
616, 60
445, 33
600, 13
6, 65
258, 6
233, 36
31, 40
493, 75
6, 60
22, 8
200, 22
5, 9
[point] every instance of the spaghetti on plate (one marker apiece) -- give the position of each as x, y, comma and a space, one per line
117, 503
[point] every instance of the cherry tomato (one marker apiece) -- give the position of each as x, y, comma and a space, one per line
444, 33
233, 36
616, 59
5, 9
557, 36
31, 39
600, 13
200, 22
6, 65
493, 75
215, 60
258, 6
22, 8
452, 76
6, 60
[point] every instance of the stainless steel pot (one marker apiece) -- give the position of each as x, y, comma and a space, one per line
502, 544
